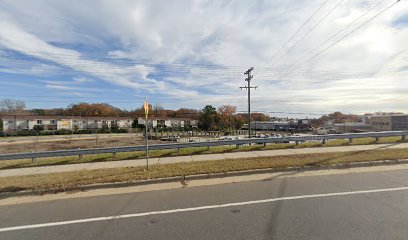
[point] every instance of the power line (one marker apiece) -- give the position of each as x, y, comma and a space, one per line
63, 56
337, 33
286, 112
294, 34
308, 32
357, 28
70, 63
264, 72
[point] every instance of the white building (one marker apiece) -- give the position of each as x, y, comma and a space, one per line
12, 123
169, 122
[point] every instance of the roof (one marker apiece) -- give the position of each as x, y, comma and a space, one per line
386, 115
166, 119
276, 123
352, 124
35, 117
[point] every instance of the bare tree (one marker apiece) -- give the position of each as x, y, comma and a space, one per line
158, 111
10, 106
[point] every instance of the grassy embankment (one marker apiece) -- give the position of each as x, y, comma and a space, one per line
184, 152
61, 181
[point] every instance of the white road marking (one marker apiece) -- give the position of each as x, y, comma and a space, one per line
86, 220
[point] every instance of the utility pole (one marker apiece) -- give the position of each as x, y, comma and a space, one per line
248, 87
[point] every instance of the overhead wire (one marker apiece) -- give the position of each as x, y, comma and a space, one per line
354, 30
308, 32
88, 57
295, 33
335, 35
209, 71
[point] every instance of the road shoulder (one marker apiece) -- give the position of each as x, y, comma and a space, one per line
13, 200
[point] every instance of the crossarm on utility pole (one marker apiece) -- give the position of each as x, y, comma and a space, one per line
248, 87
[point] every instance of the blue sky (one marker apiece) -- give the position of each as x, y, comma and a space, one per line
184, 53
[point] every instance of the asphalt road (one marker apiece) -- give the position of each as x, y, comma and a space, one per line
346, 206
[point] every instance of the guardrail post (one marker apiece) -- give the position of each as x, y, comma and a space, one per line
33, 160
114, 155
323, 139
297, 143
80, 156
237, 146
350, 140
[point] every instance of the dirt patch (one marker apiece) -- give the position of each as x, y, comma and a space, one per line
73, 144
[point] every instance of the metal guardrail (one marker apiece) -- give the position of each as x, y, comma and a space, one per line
66, 137
80, 152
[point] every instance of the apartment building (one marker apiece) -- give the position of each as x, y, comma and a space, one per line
169, 122
12, 123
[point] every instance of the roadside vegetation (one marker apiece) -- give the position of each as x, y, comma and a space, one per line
64, 181
9, 164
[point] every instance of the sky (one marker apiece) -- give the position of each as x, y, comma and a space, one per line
309, 57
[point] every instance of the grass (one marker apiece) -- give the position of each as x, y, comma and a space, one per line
61, 181
10, 164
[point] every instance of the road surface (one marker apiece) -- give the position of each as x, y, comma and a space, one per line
367, 205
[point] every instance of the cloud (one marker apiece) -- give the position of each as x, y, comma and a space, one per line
82, 80
200, 49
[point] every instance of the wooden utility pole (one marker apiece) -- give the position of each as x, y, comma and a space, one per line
248, 87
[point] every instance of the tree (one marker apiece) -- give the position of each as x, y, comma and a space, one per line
186, 113
94, 109
336, 117
208, 119
226, 114
238, 121
158, 111
260, 117
10, 106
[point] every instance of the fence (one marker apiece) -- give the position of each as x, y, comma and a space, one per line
238, 142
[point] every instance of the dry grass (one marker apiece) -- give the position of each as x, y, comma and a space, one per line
10, 164
72, 179
74, 144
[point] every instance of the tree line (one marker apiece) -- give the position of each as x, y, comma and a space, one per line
225, 117
209, 118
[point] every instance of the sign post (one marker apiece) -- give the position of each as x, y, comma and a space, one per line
146, 109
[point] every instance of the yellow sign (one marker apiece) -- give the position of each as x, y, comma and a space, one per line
146, 108
65, 123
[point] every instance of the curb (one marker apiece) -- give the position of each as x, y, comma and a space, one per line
202, 176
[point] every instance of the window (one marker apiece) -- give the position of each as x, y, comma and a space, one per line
39, 121
10, 122
52, 122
